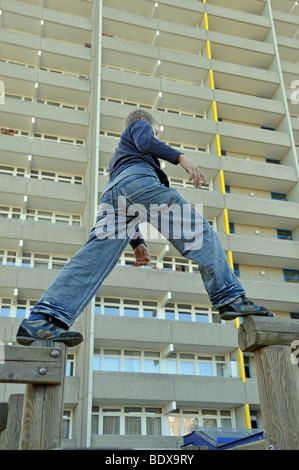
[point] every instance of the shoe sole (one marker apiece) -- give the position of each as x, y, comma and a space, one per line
234, 315
27, 341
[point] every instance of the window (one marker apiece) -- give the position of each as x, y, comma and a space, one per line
247, 367
151, 421
43, 261
150, 309
8, 257
284, 234
232, 227
237, 270
10, 212
19, 308
53, 218
118, 360
183, 421
5, 307
70, 365
279, 196
127, 420
294, 315
291, 275
66, 424
111, 362
254, 419
111, 422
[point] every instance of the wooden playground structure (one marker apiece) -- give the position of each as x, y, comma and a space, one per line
34, 421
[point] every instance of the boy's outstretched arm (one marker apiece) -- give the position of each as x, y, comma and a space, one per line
194, 172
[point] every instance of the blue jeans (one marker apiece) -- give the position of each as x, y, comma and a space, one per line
79, 280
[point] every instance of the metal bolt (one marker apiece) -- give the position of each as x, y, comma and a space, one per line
42, 371
55, 353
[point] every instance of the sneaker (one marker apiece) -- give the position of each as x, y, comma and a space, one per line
241, 307
30, 331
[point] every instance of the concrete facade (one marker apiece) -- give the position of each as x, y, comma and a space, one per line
220, 78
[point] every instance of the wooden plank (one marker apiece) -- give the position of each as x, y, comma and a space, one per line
3, 415
30, 373
257, 332
23, 364
10, 437
32, 354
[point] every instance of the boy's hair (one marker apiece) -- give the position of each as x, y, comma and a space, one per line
138, 114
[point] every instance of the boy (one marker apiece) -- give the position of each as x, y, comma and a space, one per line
136, 182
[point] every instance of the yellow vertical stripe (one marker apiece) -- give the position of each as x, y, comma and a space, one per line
215, 113
222, 188
225, 213
205, 21
209, 50
211, 79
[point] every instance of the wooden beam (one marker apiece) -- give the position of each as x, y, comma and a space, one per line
257, 332
31, 365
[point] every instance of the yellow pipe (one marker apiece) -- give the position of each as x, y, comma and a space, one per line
214, 111
211, 79
222, 187
247, 417
225, 215
205, 21
209, 50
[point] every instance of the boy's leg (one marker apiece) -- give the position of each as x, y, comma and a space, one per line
194, 238
75, 285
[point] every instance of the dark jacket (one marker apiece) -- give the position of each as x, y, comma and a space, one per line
138, 145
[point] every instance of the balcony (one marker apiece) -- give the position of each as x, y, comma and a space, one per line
44, 195
262, 212
255, 7
61, 57
41, 238
48, 119
243, 24
261, 252
72, 7
155, 92
288, 49
269, 144
182, 129
174, 65
258, 175
45, 155
20, 81
161, 389
156, 334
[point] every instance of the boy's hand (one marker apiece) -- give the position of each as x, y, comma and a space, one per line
142, 255
194, 172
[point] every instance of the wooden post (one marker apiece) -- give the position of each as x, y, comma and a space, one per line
10, 435
274, 342
43, 407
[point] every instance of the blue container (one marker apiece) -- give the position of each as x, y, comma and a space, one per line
222, 438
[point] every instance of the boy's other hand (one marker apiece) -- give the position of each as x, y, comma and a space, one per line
142, 255
194, 172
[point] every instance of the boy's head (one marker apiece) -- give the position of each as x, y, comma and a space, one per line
142, 114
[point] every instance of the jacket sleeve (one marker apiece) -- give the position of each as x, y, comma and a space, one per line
143, 137
137, 241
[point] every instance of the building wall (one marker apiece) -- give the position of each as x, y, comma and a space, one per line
220, 78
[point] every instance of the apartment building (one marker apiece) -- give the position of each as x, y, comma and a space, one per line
221, 77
